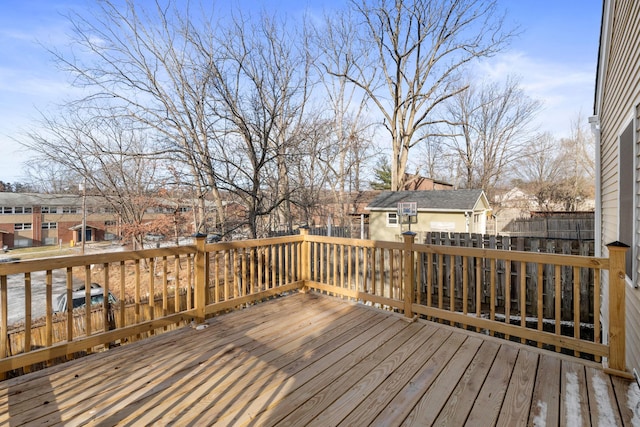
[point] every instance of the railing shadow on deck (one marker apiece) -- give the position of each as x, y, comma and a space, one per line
516, 295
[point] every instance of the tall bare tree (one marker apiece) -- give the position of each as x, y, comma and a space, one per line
408, 58
350, 143
490, 130
141, 64
260, 88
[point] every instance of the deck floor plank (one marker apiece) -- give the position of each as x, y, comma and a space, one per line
232, 374
487, 405
442, 375
370, 392
602, 398
331, 366
294, 360
628, 397
310, 400
516, 406
430, 403
145, 375
193, 360
160, 345
575, 407
545, 403
308, 359
392, 404
466, 392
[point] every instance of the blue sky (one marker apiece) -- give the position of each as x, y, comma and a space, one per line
555, 57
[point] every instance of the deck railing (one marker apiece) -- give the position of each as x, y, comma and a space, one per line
491, 291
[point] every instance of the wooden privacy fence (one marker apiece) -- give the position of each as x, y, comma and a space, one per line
516, 271
515, 294
579, 227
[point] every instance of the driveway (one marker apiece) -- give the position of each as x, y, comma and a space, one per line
15, 288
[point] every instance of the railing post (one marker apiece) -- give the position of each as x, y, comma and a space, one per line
408, 286
305, 265
200, 267
617, 305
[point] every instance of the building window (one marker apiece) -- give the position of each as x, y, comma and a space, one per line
69, 210
22, 226
49, 209
392, 219
110, 224
15, 210
49, 225
626, 193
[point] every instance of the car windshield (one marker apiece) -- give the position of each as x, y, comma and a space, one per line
95, 299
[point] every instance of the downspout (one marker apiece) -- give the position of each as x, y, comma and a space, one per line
594, 121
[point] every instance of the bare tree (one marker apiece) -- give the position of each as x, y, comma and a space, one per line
560, 173
408, 58
490, 130
350, 142
141, 64
109, 157
259, 93
577, 157
539, 169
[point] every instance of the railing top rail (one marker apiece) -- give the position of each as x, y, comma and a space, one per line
253, 243
29, 266
511, 255
355, 242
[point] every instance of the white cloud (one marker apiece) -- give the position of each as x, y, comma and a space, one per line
565, 89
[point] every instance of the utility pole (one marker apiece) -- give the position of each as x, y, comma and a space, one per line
83, 187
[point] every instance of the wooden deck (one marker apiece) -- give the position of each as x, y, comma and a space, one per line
306, 359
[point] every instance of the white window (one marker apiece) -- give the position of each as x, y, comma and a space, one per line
49, 225
392, 219
22, 226
69, 210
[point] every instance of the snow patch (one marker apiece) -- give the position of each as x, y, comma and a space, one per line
572, 400
606, 416
633, 403
540, 420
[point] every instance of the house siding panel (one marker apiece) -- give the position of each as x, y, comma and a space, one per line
618, 99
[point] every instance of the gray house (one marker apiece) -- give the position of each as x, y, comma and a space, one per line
616, 123
446, 210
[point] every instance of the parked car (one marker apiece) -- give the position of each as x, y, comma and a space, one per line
78, 297
154, 237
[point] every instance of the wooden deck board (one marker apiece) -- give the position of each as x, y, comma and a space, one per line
307, 359
545, 404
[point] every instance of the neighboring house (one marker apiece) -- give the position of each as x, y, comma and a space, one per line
28, 219
617, 124
448, 210
417, 182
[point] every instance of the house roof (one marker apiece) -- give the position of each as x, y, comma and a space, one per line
34, 199
443, 200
